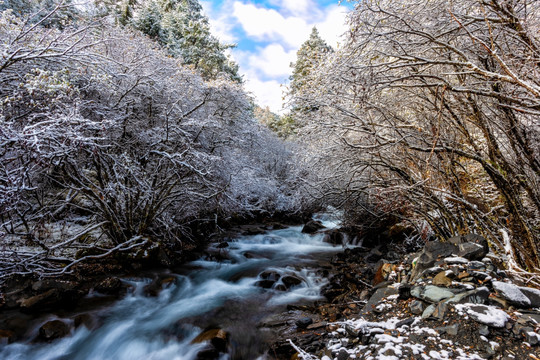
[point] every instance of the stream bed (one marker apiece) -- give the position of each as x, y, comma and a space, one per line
260, 276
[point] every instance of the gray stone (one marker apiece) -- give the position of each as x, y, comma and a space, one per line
483, 330
432, 251
484, 314
376, 298
472, 251
417, 307
532, 338
343, 355
450, 330
512, 294
533, 295
431, 293
429, 311
476, 296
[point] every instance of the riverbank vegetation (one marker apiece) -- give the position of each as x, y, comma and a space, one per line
429, 112
125, 127
110, 144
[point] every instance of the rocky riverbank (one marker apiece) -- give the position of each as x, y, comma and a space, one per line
450, 300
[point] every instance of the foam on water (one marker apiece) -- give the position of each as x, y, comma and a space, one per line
138, 327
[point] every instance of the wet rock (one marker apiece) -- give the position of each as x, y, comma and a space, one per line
270, 275
218, 338
6, 337
53, 330
265, 284
431, 293
86, 320
158, 284
222, 245
334, 237
290, 281
51, 299
512, 294
312, 227
110, 286
304, 322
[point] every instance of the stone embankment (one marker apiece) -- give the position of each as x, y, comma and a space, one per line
451, 300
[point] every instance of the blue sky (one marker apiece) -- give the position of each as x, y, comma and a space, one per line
268, 34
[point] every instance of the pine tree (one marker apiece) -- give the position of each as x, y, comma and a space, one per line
181, 27
310, 54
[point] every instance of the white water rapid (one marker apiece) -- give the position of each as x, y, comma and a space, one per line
209, 293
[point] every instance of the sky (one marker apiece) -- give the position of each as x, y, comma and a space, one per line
268, 34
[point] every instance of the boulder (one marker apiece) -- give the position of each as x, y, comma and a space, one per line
312, 227
218, 338
110, 286
431, 293
485, 314
512, 294
433, 251
304, 322
378, 296
334, 237
533, 295
472, 251
53, 330
290, 281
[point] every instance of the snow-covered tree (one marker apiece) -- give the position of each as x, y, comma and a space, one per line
430, 110
181, 27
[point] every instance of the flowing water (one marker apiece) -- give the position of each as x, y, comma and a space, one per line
208, 294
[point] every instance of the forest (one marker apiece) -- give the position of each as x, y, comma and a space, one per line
125, 127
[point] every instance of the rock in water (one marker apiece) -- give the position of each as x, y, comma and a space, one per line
312, 227
53, 330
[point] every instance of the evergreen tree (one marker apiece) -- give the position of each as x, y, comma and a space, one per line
181, 27
310, 54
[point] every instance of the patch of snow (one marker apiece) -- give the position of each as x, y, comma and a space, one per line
511, 292
488, 315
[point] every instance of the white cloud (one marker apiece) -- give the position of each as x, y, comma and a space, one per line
269, 25
267, 93
221, 25
272, 61
333, 25
268, 38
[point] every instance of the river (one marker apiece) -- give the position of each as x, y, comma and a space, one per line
205, 294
